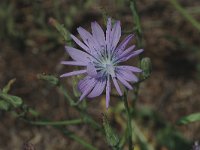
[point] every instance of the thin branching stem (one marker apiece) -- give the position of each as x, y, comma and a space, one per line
137, 28
76, 138
138, 31
86, 118
57, 123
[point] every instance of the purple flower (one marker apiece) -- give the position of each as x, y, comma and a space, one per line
100, 59
196, 146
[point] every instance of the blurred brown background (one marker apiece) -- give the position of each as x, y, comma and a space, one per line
30, 45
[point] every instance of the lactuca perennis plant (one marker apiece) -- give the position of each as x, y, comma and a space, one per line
101, 60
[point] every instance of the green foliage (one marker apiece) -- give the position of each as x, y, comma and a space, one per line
4, 105
137, 22
172, 139
48, 78
111, 136
166, 135
7, 27
60, 28
33, 112
185, 14
8, 101
6, 89
14, 101
189, 119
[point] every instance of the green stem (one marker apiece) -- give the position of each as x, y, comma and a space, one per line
138, 30
129, 127
136, 18
80, 140
86, 118
185, 14
64, 91
57, 123
66, 132
123, 140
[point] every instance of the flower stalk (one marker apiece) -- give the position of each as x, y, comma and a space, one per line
129, 126
138, 31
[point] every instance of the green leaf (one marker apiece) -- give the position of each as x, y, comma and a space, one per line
60, 28
33, 112
190, 118
49, 78
111, 136
4, 105
172, 139
15, 101
6, 89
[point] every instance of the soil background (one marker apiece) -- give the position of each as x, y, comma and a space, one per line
29, 45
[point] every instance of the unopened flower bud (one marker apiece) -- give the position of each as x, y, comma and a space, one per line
146, 66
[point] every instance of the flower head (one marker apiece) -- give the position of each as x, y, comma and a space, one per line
101, 57
196, 146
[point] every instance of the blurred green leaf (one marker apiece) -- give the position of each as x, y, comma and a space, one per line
49, 78
15, 101
7, 28
6, 89
60, 28
4, 105
33, 112
111, 136
185, 14
172, 139
190, 118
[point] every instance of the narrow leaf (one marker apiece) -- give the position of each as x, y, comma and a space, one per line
49, 78
111, 136
60, 28
189, 119
6, 89
15, 101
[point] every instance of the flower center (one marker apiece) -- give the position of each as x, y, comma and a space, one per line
107, 66
110, 69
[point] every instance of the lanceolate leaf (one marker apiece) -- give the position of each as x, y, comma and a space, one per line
111, 136
15, 101
190, 118
49, 78
6, 89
